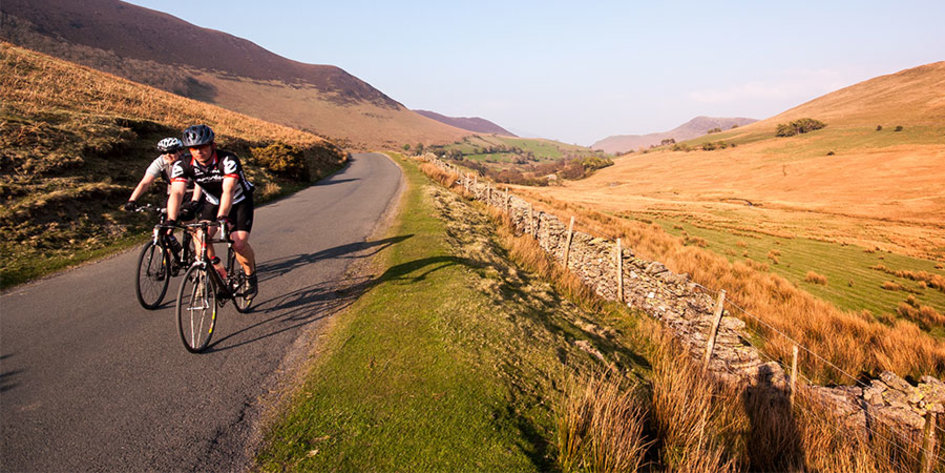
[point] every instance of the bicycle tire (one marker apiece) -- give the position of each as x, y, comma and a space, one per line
153, 275
238, 283
196, 309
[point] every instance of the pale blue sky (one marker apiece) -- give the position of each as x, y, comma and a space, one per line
581, 71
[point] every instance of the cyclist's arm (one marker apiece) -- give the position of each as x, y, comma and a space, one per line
173, 202
226, 200
143, 186
197, 193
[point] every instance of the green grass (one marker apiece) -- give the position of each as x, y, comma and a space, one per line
451, 361
852, 284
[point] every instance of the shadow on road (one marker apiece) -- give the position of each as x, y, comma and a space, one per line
315, 302
336, 181
365, 249
6, 377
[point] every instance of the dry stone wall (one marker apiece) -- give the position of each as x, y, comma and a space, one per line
689, 312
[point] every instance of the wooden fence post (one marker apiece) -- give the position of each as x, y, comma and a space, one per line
508, 201
794, 375
719, 309
567, 248
929, 459
531, 224
538, 223
619, 272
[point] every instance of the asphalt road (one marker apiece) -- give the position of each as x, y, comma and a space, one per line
90, 381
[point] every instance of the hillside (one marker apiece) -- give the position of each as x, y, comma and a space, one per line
692, 129
74, 142
473, 124
848, 212
157, 49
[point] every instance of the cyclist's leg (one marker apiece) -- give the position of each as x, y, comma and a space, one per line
208, 213
242, 217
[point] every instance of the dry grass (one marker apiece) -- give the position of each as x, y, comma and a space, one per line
600, 426
855, 342
695, 423
815, 278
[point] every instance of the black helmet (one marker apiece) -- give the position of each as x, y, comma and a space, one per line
197, 135
170, 145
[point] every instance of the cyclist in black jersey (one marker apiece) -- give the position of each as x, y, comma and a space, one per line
228, 194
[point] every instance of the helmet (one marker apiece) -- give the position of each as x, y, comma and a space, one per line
170, 145
197, 135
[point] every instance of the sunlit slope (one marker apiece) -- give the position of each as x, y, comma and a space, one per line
75, 141
847, 182
157, 49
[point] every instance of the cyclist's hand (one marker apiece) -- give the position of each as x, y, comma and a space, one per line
224, 222
130, 206
170, 223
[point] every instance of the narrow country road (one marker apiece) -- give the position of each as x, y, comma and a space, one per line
90, 381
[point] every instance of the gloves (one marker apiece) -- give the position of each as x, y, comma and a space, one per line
190, 205
224, 222
170, 224
130, 206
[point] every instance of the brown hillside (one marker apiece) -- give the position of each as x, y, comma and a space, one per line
692, 129
847, 182
913, 96
473, 124
75, 141
158, 49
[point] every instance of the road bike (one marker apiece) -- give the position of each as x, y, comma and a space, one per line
161, 258
206, 287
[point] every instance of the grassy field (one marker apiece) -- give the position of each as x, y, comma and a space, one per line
854, 276
453, 361
460, 357
509, 150
74, 142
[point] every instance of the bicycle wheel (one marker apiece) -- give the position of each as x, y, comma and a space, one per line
196, 309
154, 264
238, 284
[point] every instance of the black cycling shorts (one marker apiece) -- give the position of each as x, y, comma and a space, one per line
241, 214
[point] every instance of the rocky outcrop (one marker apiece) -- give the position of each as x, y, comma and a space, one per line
689, 311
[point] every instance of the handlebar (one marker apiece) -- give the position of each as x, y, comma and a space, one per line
224, 233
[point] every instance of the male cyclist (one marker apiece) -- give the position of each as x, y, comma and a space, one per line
171, 150
228, 194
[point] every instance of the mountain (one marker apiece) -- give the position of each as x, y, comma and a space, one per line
692, 129
166, 52
473, 124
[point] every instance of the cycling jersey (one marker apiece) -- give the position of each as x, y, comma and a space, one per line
160, 168
210, 177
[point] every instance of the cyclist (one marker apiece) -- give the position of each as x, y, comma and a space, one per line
228, 194
171, 149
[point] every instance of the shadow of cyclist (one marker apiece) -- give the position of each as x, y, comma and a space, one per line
364, 249
315, 302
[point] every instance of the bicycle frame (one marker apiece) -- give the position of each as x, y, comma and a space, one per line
216, 280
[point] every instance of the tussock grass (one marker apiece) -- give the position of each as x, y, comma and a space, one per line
600, 426
854, 341
813, 277
691, 422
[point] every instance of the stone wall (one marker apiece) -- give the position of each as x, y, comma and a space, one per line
689, 311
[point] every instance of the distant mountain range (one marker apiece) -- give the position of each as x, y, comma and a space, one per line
692, 129
474, 124
166, 52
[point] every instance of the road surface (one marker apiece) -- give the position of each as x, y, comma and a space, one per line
91, 381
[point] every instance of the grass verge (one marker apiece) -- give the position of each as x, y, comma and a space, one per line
452, 361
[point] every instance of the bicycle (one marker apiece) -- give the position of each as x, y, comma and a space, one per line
203, 289
159, 260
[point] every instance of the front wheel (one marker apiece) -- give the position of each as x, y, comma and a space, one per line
154, 275
196, 309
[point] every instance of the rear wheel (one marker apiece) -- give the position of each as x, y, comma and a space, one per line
154, 265
196, 309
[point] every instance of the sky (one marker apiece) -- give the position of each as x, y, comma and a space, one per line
581, 71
